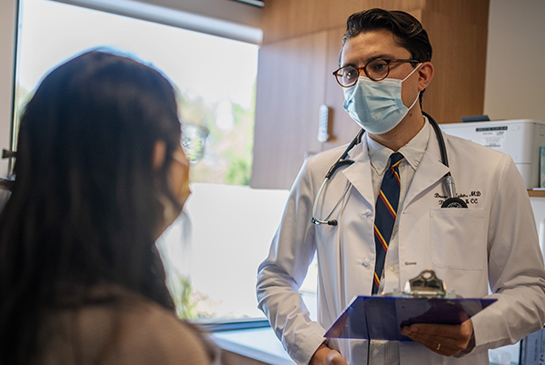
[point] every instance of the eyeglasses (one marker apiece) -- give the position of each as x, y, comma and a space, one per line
377, 70
194, 141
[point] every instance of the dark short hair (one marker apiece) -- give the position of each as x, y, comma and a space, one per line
407, 30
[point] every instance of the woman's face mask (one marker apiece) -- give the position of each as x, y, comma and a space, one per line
377, 105
179, 185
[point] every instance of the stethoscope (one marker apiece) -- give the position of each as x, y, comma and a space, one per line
451, 202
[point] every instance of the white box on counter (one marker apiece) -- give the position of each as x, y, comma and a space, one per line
519, 138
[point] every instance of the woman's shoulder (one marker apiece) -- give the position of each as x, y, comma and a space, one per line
151, 332
129, 330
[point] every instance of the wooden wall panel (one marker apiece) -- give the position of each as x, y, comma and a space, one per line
342, 128
457, 29
458, 33
290, 90
284, 19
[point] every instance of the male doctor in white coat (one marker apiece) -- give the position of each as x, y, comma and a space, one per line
385, 66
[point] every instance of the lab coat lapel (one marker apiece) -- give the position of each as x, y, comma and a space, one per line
359, 173
429, 172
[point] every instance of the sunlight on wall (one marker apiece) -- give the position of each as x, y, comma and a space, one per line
231, 228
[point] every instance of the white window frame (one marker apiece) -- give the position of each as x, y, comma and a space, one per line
228, 19
8, 36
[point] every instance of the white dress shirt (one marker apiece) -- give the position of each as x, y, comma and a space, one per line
386, 352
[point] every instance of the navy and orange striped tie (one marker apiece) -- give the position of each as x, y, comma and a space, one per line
385, 214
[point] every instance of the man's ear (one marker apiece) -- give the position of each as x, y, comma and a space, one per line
425, 74
159, 152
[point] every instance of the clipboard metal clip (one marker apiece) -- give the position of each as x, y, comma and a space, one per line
425, 285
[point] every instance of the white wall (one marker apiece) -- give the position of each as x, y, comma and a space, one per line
7, 57
515, 72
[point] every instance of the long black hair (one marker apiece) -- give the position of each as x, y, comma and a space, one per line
86, 201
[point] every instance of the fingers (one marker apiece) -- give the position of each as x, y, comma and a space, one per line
335, 358
447, 340
326, 356
443, 330
440, 345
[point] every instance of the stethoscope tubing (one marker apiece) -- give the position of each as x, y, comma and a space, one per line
326, 220
451, 202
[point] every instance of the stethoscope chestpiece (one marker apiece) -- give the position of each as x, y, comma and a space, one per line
454, 203
317, 222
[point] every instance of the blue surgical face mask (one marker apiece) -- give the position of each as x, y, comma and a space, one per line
376, 105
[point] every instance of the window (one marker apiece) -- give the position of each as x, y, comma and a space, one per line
212, 252
220, 99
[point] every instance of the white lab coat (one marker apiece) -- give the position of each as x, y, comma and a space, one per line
493, 242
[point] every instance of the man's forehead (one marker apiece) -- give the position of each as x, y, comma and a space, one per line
370, 45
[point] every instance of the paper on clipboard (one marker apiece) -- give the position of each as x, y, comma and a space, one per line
382, 317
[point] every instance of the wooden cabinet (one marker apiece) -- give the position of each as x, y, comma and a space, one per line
302, 41
294, 81
290, 88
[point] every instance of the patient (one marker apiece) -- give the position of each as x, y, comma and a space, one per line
99, 175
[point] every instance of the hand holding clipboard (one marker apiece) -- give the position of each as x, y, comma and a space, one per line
383, 317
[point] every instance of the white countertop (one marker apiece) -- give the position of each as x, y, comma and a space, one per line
259, 344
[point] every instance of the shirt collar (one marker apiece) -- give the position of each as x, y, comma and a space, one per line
413, 151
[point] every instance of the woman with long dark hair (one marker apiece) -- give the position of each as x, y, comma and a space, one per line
99, 175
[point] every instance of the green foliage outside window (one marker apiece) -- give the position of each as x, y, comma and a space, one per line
228, 153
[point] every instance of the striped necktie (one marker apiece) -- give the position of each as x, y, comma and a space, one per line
385, 214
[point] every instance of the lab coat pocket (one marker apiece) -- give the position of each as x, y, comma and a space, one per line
457, 238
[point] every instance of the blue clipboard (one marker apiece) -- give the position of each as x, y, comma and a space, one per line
382, 317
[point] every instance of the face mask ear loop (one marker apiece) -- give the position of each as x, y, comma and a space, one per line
177, 156
412, 72
415, 100
418, 95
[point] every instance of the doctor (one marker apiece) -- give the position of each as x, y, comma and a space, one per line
385, 68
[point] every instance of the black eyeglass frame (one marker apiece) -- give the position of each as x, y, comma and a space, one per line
364, 69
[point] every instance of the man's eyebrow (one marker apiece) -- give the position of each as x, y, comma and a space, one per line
380, 56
